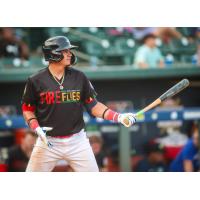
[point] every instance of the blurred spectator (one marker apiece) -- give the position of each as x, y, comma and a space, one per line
3, 158
166, 34
173, 142
11, 46
140, 32
188, 159
18, 155
96, 143
197, 33
198, 53
192, 32
115, 31
148, 55
197, 36
113, 163
6, 111
172, 138
193, 36
3, 112
154, 160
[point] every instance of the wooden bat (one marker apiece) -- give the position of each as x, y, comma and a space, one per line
169, 93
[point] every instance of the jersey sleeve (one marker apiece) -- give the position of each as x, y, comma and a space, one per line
89, 95
29, 95
88, 90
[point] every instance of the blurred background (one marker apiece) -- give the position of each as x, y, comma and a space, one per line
129, 67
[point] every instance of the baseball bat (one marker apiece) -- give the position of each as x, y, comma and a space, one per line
169, 93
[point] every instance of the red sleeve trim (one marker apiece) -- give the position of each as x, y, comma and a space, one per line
28, 107
89, 100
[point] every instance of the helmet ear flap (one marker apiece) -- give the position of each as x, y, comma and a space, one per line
73, 59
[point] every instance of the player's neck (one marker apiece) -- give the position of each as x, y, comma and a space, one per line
57, 70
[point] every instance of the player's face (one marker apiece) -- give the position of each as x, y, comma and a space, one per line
151, 42
67, 57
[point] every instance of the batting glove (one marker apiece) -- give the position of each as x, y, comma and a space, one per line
127, 119
41, 132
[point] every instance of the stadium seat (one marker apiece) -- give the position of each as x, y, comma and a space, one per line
94, 49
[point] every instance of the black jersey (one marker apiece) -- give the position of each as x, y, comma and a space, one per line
60, 109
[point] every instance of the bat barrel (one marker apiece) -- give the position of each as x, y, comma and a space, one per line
175, 89
169, 93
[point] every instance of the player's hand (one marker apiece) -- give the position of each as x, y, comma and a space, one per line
127, 119
41, 132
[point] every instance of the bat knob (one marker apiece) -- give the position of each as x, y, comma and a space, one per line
127, 119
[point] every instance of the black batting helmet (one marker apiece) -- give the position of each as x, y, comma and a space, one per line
53, 46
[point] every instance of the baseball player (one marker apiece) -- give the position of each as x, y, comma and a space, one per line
53, 103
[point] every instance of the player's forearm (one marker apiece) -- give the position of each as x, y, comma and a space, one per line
30, 119
32, 122
28, 115
102, 111
98, 110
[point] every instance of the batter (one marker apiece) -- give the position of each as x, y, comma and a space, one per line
53, 103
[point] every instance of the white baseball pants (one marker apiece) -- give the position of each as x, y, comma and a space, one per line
76, 150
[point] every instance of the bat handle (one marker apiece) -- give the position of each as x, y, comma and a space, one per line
147, 108
139, 113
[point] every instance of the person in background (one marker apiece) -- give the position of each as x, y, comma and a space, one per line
148, 55
166, 34
18, 155
171, 135
154, 160
96, 143
11, 46
113, 162
188, 159
197, 36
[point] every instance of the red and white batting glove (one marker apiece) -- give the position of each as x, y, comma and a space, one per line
127, 119
41, 132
